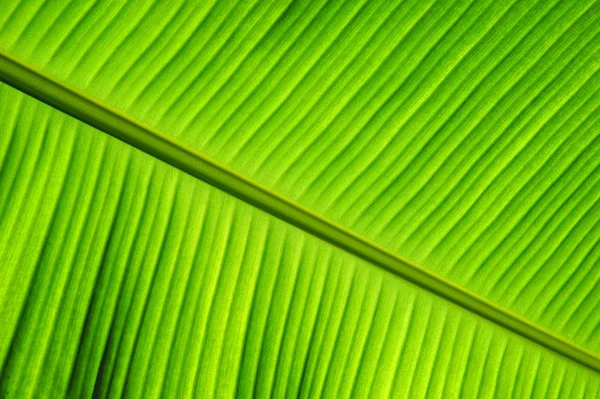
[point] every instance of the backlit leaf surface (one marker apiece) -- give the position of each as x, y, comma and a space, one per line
461, 135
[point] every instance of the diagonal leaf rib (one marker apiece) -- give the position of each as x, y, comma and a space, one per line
32, 82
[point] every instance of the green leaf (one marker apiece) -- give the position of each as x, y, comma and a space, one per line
453, 144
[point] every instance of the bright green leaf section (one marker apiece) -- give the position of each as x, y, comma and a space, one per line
122, 275
462, 135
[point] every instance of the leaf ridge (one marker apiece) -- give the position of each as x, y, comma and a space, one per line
153, 142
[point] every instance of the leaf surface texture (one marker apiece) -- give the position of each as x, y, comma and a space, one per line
461, 135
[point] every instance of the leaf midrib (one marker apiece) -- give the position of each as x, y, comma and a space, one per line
56, 94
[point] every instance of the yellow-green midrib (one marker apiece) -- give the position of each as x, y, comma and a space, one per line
459, 135
187, 160
124, 276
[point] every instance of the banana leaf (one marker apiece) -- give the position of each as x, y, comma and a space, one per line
327, 198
